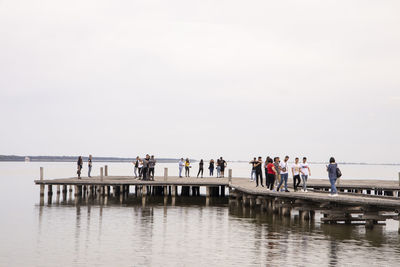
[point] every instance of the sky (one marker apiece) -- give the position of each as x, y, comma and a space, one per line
201, 79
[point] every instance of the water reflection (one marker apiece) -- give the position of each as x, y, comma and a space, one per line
155, 227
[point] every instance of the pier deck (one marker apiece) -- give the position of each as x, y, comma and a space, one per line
376, 200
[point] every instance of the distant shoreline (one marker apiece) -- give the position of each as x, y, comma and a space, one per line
14, 158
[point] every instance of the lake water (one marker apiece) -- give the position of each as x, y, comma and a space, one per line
188, 234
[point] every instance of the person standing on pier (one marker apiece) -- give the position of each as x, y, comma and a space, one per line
140, 168
136, 168
211, 167
296, 173
258, 170
278, 174
222, 165
284, 174
271, 175
152, 164
145, 169
253, 169
332, 169
218, 168
266, 169
201, 168
187, 167
80, 164
89, 165
305, 172
181, 165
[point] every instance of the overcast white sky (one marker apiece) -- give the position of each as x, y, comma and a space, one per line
201, 78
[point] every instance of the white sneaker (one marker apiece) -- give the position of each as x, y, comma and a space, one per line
335, 195
306, 190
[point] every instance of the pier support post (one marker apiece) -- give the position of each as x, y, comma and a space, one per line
50, 189
58, 189
165, 190
42, 185
105, 170
144, 190
208, 191
165, 174
101, 173
252, 201
222, 191
174, 189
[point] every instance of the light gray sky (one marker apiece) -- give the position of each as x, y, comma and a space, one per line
201, 78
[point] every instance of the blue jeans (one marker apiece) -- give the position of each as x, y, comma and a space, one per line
218, 172
89, 170
180, 170
284, 178
333, 186
253, 175
304, 178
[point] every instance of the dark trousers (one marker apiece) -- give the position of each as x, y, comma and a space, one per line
200, 171
296, 181
187, 169
211, 171
144, 173
140, 172
151, 173
259, 176
270, 181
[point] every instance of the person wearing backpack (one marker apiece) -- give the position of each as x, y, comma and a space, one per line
333, 173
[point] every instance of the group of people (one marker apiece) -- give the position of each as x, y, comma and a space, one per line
144, 168
220, 166
277, 173
80, 166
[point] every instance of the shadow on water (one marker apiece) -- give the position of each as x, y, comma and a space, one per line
275, 227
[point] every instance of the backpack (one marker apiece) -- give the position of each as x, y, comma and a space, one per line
338, 173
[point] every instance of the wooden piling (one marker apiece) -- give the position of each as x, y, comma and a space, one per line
50, 189
165, 174
41, 185
105, 170
174, 189
58, 189
101, 173
208, 191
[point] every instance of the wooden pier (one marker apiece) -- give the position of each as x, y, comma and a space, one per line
367, 202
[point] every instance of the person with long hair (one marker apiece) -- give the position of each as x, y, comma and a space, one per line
201, 168
79, 165
271, 171
187, 168
136, 168
332, 169
211, 167
89, 165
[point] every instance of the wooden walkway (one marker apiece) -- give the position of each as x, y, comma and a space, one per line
375, 200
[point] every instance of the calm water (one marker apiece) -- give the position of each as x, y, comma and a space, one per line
189, 234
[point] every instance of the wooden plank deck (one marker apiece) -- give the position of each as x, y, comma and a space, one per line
244, 185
